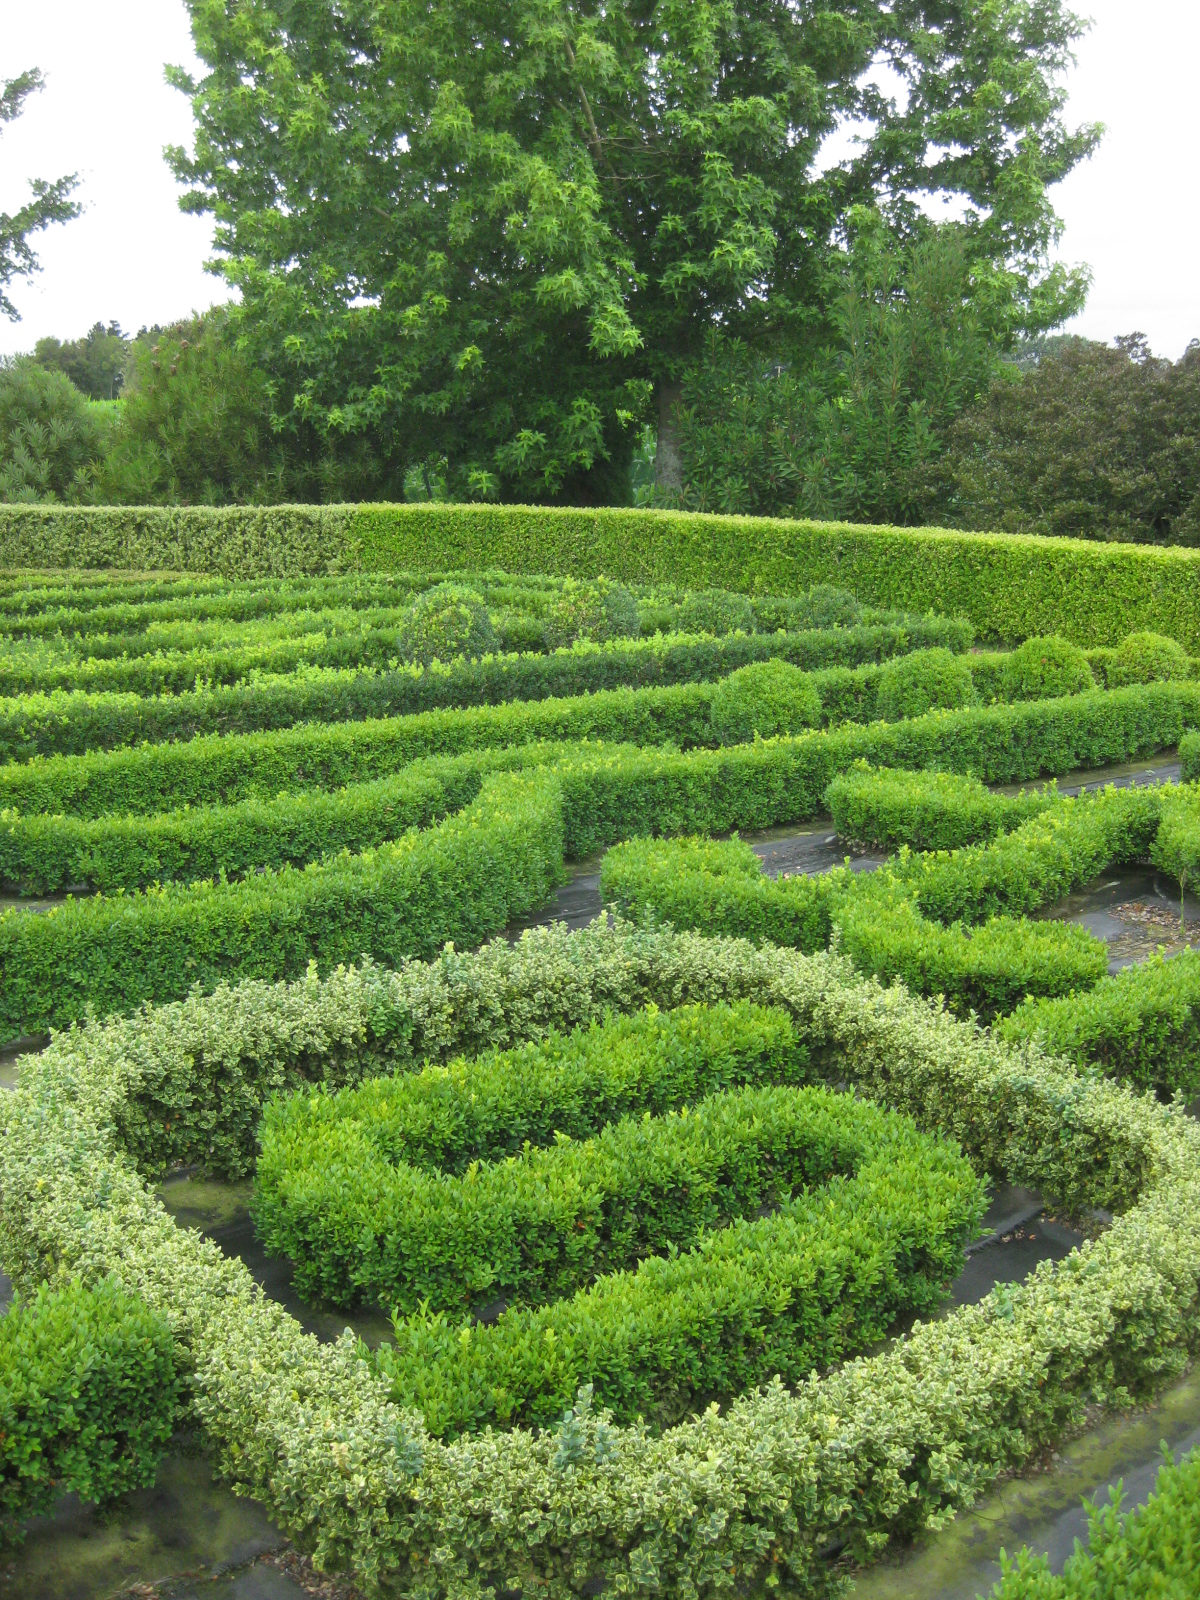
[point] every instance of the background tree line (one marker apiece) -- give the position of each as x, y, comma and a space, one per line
591, 253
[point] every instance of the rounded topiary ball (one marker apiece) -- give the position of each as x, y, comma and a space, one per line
444, 623
716, 611
765, 699
926, 680
1043, 669
1146, 658
598, 611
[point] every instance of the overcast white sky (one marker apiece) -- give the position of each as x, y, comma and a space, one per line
1131, 213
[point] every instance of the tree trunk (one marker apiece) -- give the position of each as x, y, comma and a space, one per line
668, 462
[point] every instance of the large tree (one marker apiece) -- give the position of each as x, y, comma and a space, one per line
495, 233
50, 202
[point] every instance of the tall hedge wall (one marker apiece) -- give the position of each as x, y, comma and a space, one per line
1009, 586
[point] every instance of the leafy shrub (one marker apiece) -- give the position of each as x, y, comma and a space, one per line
1176, 846
1142, 1025
1041, 669
824, 606
362, 1222
885, 808
825, 1275
65, 721
764, 700
87, 1397
968, 1397
1153, 1553
444, 624
717, 611
1146, 658
597, 611
49, 434
462, 880
927, 680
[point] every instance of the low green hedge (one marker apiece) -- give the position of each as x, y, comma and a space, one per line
113, 952
460, 881
1143, 1025
1010, 586
877, 1233
1153, 1553
88, 1395
884, 808
377, 1192
42, 855
72, 723
877, 1450
720, 888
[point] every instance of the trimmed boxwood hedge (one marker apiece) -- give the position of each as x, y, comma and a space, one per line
88, 1395
1010, 586
879, 1449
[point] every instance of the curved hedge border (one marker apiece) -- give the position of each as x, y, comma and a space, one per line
69, 722
403, 899
877, 1234
879, 1449
1010, 586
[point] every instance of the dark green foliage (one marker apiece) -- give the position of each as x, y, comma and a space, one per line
71, 723
1039, 669
490, 242
88, 1394
446, 623
855, 430
336, 1175
1146, 658
823, 1276
50, 437
1152, 1553
1093, 442
95, 364
50, 202
927, 680
195, 427
762, 701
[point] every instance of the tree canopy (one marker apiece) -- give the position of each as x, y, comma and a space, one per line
51, 202
492, 233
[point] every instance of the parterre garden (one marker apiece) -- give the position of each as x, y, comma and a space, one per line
664, 1211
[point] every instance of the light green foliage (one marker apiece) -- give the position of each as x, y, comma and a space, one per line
88, 1394
95, 364
1153, 1553
50, 437
1143, 1025
1008, 587
350, 1186
1176, 846
879, 1226
762, 701
444, 624
1146, 658
886, 808
73, 721
1042, 668
928, 680
462, 880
